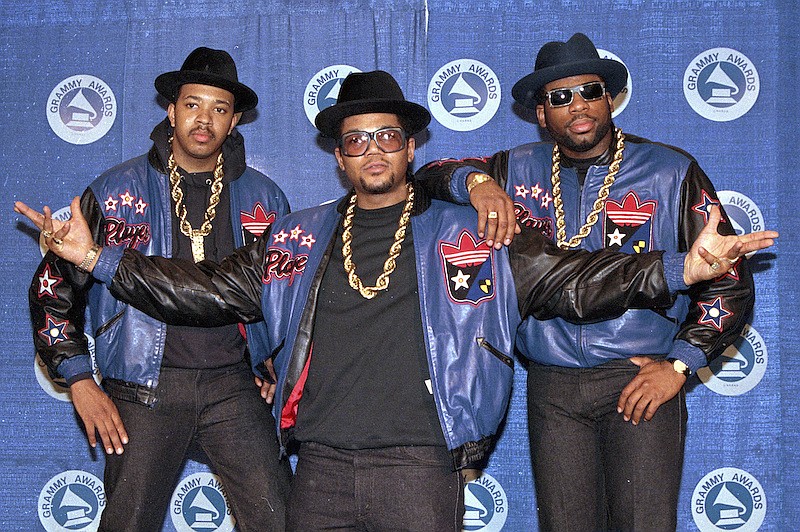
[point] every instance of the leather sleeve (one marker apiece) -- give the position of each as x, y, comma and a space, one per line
206, 294
57, 299
733, 292
437, 176
583, 286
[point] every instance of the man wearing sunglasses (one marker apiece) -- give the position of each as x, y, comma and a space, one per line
606, 401
391, 325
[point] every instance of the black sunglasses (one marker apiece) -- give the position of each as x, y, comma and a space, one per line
594, 90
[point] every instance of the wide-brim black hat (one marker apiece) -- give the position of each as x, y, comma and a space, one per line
575, 57
208, 67
371, 92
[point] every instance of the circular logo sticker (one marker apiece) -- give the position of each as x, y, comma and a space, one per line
486, 505
322, 90
464, 95
624, 96
729, 499
199, 503
72, 501
740, 367
721, 84
81, 109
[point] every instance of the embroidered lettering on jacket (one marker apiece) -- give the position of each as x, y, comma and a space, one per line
281, 264
120, 232
525, 218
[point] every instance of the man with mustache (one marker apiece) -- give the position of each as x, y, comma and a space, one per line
606, 401
166, 388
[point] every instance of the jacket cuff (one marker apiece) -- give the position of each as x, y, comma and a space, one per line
673, 270
107, 264
458, 183
73, 366
688, 354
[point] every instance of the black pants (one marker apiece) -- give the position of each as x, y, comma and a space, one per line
221, 410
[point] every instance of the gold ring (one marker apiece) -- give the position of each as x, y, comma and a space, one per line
714, 266
492, 215
46, 234
732, 261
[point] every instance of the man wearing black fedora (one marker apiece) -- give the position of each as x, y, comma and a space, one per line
390, 323
606, 401
168, 388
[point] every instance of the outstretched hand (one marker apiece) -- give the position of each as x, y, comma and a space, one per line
70, 240
713, 254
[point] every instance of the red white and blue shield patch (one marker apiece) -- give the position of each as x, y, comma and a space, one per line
255, 223
468, 268
628, 225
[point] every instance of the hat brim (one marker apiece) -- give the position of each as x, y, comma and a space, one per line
169, 84
613, 73
414, 116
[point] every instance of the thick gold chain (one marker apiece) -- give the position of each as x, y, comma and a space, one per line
196, 235
599, 203
382, 283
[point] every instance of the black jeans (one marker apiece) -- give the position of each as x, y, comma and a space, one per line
393, 488
220, 409
592, 470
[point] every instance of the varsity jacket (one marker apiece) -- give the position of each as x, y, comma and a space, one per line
129, 206
471, 300
660, 200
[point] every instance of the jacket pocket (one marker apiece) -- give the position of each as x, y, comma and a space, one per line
505, 359
110, 323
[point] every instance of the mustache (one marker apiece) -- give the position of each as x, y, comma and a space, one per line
204, 129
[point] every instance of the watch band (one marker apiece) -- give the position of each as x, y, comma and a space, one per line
680, 367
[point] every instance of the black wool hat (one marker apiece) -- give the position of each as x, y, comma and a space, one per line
575, 57
208, 67
371, 92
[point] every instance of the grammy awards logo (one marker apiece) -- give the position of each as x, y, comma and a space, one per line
740, 367
464, 95
199, 503
721, 84
71, 501
322, 90
742, 212
624, 96
486, 505
81, 109
729, 499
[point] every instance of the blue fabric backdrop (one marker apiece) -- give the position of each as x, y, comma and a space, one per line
743, 424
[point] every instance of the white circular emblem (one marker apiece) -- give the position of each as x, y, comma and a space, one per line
624, 96
743, 213
57, 388
721, 84
72, 501
486, 505
81, 109
729, 499
740, 367
464, 95
199, 503
323, 89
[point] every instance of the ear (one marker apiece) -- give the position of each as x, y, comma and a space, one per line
610, 103
171, 114
235, 121
411, 146
339, 158
540, 116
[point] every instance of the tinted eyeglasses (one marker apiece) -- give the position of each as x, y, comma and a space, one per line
594, 90
388, 139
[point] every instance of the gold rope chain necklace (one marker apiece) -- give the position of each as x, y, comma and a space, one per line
599, 203
368, 292
196, 235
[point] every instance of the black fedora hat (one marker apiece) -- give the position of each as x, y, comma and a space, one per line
575, 57
208, 67
371, 92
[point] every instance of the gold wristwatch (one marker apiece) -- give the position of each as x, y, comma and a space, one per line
477, 180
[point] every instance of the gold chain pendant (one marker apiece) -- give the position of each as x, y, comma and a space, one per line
382, 283
599, 203
197, 236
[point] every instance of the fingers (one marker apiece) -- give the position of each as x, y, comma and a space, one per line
112, 433
496, 217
